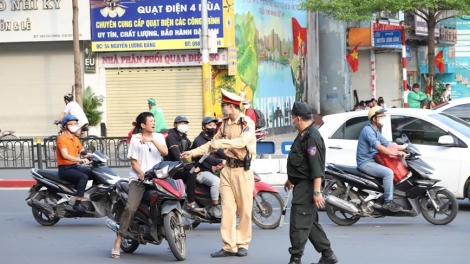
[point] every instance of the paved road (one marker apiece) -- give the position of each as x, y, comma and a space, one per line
370, 241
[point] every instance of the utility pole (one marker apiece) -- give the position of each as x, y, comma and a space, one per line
206, 68
77, 65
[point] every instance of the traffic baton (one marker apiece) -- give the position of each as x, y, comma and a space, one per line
284, 209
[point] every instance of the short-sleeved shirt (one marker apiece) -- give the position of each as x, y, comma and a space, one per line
367, 144
306, 159
147, 155
73, 108
160, 123
73, 145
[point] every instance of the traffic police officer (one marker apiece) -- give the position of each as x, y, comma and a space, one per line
305, 170
237, 137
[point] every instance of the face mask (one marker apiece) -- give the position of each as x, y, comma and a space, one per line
182, 128
73, 128
246, 106
224, 112
382, 122
210, 131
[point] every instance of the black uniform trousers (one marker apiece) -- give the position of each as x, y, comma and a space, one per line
304, 219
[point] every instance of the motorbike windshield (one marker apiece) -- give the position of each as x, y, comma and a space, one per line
453, 122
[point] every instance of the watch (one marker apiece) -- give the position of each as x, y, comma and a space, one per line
316, 193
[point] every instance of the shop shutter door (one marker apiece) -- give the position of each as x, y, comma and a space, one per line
388, 72
178, 91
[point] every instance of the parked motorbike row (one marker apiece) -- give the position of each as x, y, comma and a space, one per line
160, 214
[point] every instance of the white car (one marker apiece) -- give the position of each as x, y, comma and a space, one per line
457, 107
423, 127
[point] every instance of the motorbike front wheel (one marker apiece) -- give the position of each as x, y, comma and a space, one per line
447, 205
40, 217
267, 210
175, 235
338, 216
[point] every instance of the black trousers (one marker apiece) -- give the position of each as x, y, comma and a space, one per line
304, 220
76, 174
190, 180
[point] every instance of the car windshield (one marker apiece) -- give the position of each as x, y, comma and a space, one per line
439, 106
453, 122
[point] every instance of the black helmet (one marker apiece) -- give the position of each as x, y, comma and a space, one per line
209, 119
68, 97
181, 118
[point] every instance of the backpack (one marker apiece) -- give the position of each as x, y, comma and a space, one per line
260, 119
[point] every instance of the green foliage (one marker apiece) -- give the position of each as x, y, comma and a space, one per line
227, 82
360, 10
91, 103
439, 88
247, 64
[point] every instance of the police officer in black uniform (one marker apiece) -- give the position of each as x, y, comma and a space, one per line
305, 170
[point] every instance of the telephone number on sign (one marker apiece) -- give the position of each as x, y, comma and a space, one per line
197, 43
53, 36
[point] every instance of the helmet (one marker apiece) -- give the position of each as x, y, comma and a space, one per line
181, 119
68, 97
68, 118
151, 101
376, 110
209, 119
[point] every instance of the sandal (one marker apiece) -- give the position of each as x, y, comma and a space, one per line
116, 253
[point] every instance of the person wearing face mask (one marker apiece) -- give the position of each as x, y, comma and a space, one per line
67, 153
214, 162
177, 141
249, 111
369, 144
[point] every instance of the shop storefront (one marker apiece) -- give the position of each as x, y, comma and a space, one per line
36, 67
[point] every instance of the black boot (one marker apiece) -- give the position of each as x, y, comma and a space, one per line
77, 206
328, 257
295, 259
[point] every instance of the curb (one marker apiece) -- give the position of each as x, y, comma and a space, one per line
16, 183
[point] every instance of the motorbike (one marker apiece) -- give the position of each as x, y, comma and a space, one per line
52, 198
267, 205
159, 214
351, 194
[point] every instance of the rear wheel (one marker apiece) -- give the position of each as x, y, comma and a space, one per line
267, 214
175, 235
121, 151
41, 217
339, 216
49, 148
129, 245
447, 205
8, 149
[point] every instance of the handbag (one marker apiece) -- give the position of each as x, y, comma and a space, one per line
394, 163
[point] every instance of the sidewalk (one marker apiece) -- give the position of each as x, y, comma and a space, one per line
271, 168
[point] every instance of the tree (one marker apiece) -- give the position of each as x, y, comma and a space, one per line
431, 11
76, 55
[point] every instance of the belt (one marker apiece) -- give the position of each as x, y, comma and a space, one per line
234, 163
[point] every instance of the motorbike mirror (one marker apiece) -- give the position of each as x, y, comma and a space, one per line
84, 152
399, 141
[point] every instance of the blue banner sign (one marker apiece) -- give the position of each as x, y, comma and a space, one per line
387, 39
152, 24
408, 53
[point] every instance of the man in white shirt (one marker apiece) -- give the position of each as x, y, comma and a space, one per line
145, 150
73, 108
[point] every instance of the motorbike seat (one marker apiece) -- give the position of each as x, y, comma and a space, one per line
353, 170
124, 185
54, 176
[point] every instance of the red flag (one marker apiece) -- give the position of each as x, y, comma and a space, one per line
299, 35
353, 59
439, 61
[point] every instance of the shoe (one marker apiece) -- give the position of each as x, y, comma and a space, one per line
215, 211
294, 259
392, 206
223, 253
193, 209
78, 207
328, 260
242, 252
